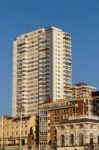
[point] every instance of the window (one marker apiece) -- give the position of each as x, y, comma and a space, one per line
81, 139
91, 138
98, 139
62, 139
16, 132
71, 140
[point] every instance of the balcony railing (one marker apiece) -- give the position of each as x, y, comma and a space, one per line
83, 117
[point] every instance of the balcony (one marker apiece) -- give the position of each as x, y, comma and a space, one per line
84, 117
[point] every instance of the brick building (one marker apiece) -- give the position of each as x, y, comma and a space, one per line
54, 114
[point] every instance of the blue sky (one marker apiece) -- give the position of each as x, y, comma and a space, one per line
79, 17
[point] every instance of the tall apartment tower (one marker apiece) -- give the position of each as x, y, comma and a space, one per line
41, 68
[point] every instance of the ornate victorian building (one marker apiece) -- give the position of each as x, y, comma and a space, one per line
78, 134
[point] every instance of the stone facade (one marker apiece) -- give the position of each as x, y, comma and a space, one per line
10, 129
82, 134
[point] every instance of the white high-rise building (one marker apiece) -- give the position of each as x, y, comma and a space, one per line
41, 68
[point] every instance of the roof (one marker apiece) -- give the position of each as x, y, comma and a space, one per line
23, 118
81, 83
83, 120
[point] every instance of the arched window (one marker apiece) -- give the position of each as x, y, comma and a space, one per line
71, 140
62, 139
81, 139
98, 139
91, 138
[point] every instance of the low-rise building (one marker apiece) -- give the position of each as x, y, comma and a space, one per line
78, 134
12, 129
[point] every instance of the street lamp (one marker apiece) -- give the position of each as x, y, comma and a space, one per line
20, 131
2, 133
20, 110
